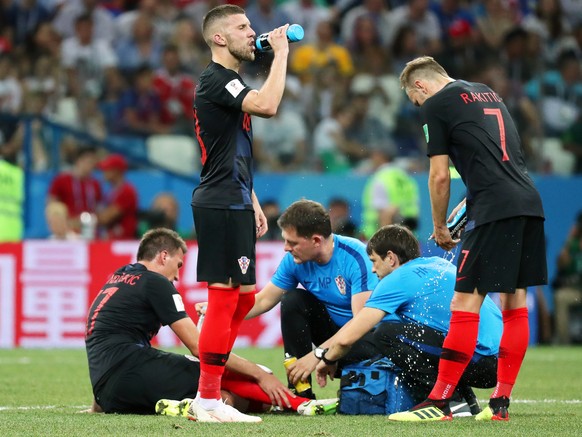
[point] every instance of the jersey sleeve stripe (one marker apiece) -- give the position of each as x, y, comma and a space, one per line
198, 137
361, 263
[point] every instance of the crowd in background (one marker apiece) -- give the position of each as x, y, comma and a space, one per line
129, 68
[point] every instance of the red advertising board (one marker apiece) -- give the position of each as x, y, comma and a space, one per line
46, 288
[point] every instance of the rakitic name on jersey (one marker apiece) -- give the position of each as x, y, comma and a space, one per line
480, 97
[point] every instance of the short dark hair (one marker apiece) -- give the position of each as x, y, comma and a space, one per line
218, 13
396, 238
156, 240
307, 217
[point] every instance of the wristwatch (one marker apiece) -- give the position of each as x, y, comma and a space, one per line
320, 355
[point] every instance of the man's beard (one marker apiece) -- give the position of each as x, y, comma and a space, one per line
241, 53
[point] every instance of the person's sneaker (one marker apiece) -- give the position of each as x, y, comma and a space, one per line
169, 407
223, 413
428, 410
496, 410
316, 407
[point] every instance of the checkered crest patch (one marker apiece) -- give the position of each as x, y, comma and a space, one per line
244, 263
341, 284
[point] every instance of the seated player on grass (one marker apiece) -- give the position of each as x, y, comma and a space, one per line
129, 376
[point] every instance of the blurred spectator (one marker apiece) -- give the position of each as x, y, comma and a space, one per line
377, 10
42, 83
309, 58
141, 107
329, 139
141, 48
192, 49
519, 64
111, 101
403, 48
549, 22
44, 41
103, 24
460, 55
341, 218
494, 22
365, 132
57, 220
568, 283
118, 217
308, 14
279, 143
559, 94
328, 88
24, 16
176, 91
390, 196
162, 13
272, 211
366, 45
572, 141
77, 188
382, 86
426, 25
10, 87
87, 61
163, 213
451, 15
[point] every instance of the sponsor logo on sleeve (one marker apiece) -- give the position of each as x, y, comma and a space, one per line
178, 302
234, 87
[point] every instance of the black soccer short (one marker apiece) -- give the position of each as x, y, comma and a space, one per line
226, 245
145, 377
503, 255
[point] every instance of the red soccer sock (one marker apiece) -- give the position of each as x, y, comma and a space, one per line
252, 391
213, 345
458, 349
512, 349
245, 303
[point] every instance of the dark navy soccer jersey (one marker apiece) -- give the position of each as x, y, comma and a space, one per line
126, 314
224, 134
470, 123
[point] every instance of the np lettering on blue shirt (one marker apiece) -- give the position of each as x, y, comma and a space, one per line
348, 273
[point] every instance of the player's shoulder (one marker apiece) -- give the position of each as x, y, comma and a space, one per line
349, 244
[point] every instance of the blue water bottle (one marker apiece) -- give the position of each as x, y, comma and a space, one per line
294, 33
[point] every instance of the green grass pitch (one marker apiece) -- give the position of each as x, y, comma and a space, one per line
41, 392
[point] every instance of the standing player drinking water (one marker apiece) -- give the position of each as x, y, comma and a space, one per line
227, 214
504, 245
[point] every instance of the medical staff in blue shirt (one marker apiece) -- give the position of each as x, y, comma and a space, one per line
336, 275
410, 311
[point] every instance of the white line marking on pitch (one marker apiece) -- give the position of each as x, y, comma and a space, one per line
516, 401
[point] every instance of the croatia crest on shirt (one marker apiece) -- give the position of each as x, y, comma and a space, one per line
244, 263
341, 284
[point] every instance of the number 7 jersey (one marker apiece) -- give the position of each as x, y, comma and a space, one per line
470, 123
